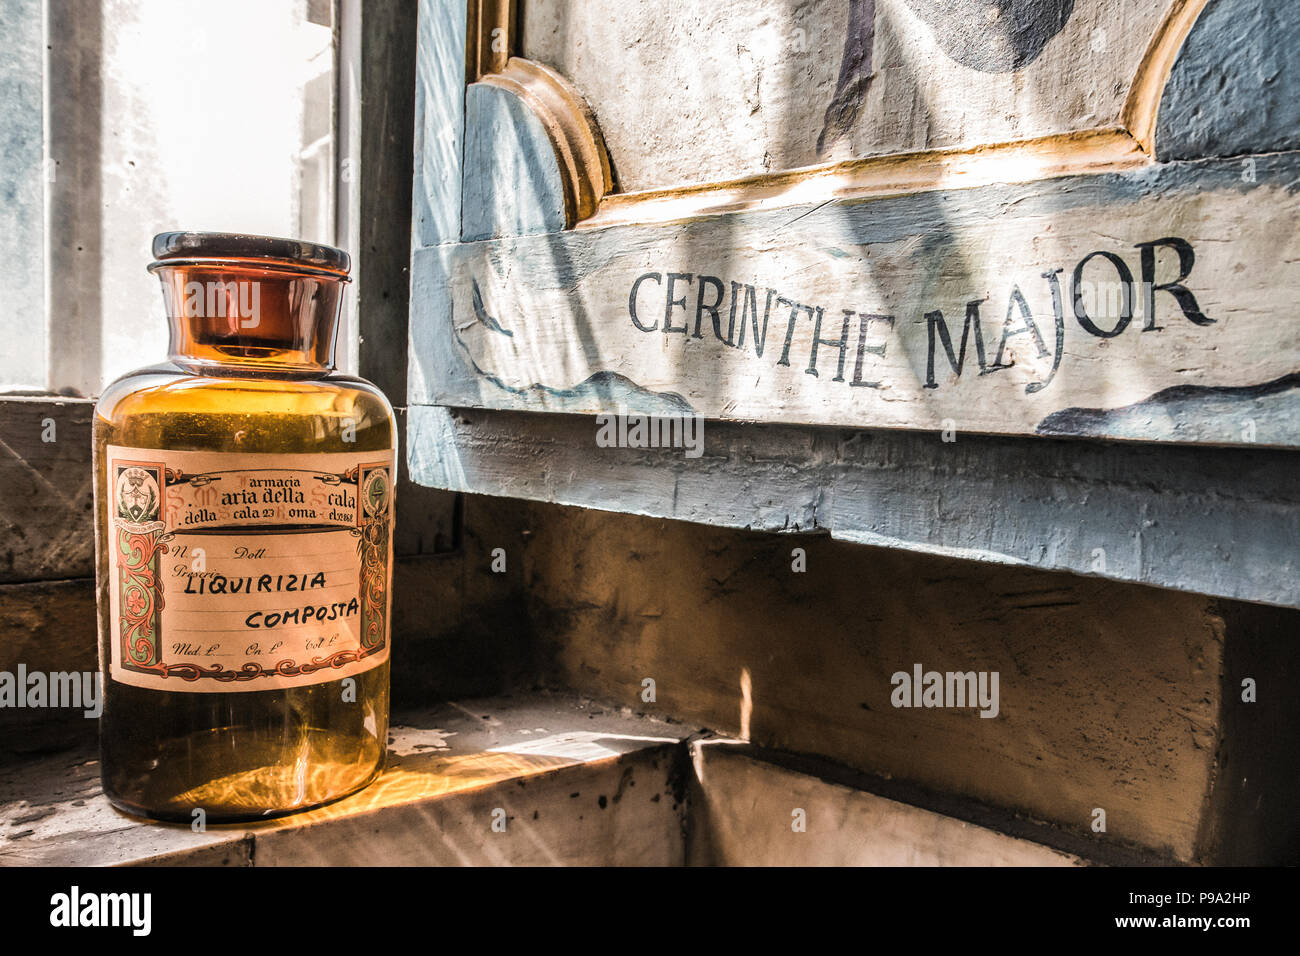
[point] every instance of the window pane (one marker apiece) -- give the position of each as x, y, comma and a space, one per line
170, 114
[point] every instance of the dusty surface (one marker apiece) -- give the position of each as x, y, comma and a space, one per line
746, 811
573, 781
1109, 694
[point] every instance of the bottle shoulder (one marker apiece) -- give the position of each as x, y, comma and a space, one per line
166, 386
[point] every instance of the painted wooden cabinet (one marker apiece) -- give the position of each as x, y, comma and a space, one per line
1010, 280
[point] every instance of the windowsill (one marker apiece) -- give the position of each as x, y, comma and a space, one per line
541, 779
578, 783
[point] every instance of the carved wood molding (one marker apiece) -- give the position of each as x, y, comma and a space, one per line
1143, 103
569, 122
1091, 151
571, 128
590, 199
490, 37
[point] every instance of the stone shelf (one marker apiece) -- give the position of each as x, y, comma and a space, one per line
577, 783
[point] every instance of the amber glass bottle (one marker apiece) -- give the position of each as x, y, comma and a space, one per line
244, 508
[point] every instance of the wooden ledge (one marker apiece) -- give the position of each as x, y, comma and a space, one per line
575, 783
451, 770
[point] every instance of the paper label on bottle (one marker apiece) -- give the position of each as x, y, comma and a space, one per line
237, 572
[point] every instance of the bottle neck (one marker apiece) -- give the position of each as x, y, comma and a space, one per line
251, 315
